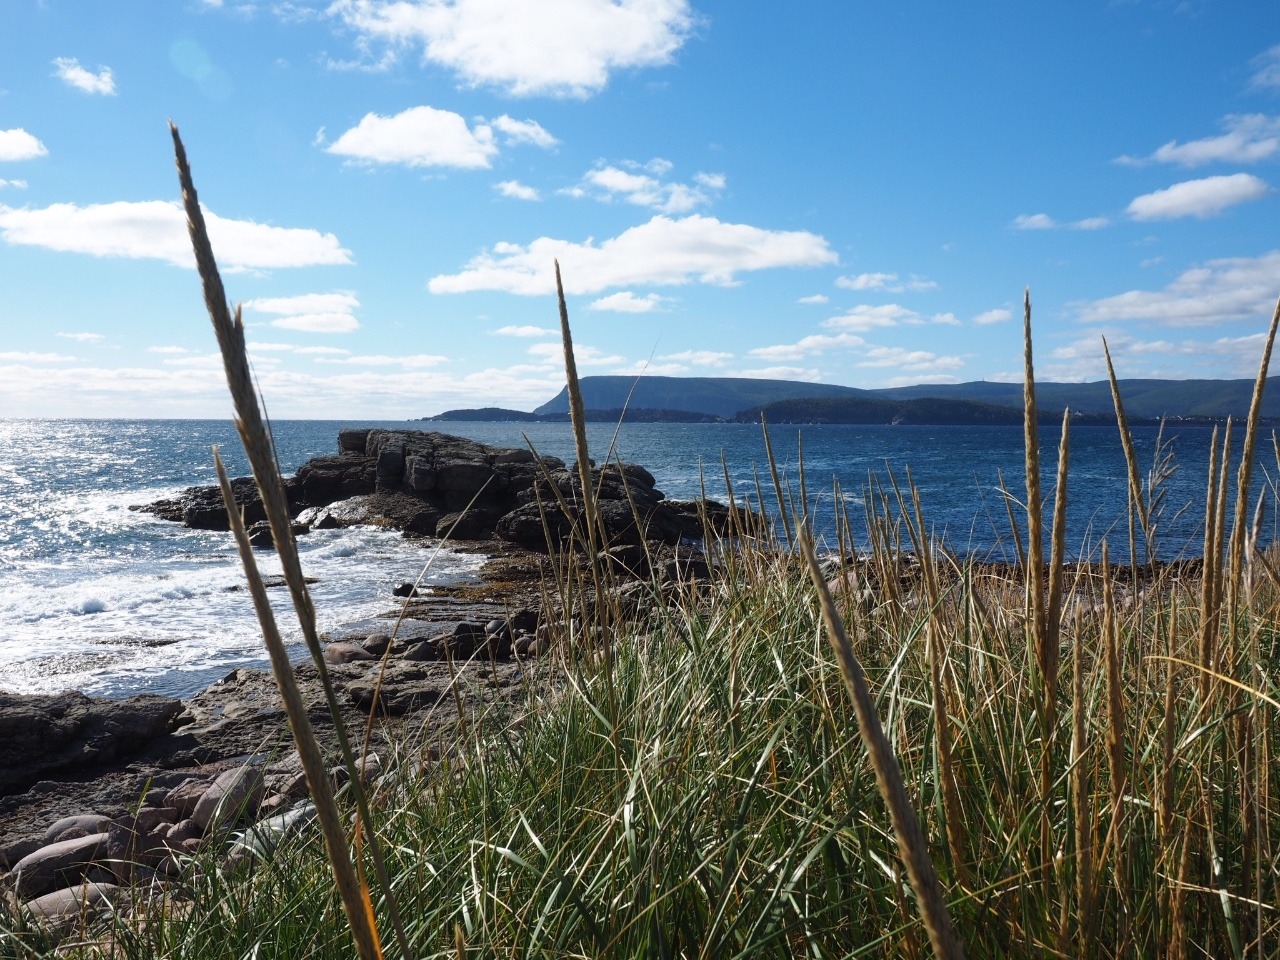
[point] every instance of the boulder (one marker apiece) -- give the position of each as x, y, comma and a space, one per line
234, 795
184, 797
346, 653
47, 868
72, 903
83, 825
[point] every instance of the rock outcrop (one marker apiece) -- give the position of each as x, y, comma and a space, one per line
41, 735
434, 484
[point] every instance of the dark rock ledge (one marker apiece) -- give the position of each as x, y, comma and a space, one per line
99, 799
422, 483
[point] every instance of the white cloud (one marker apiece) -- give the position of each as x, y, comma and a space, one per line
948, 319
699, 358
915, 361
583, 355
516, 190
415, 361
865, 317
1042, 221
59, 388
888, 282
17, 356
810, 346
555, 47
989, 317
322, 351
340, 302
270, 347
809, 374
1034, 221
525, 331
627, 302
157, 229
17, 144
318, 323
168, 351
607, 183
1198, 198
1221, 358
663, 251
417, 137
1266, 68
865, 281
817, 298
524, 131
647, 368
310, 312
16, 184
83, 337
1230, 289
69, 70
1249, 138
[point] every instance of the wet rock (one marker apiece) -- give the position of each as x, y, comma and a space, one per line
260, 534
72, 903
346, 653
184, 797
44, 870
424, 650
83, 825
233, 795
376, 643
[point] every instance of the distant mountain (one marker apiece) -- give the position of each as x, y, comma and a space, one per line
719, 396
730, 396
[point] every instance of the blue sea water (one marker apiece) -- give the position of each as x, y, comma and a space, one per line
97, 597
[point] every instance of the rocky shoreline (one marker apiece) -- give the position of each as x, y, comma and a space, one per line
99, 797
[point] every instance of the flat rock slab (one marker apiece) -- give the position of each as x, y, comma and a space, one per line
40, 735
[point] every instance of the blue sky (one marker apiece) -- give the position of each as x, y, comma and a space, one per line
849, 192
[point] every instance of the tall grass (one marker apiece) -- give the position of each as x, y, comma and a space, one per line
1086, 755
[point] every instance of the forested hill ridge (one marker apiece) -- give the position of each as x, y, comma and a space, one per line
978, 402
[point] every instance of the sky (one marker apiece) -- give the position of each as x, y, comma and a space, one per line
847, 192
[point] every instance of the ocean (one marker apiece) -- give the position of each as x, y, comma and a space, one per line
97, 597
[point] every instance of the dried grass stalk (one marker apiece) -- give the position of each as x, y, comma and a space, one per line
1239, 528
577, 414
260, 451
1136, 501
1209, 569
912, 847
1035, 515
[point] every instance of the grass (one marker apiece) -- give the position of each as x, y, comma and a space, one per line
1088, 765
